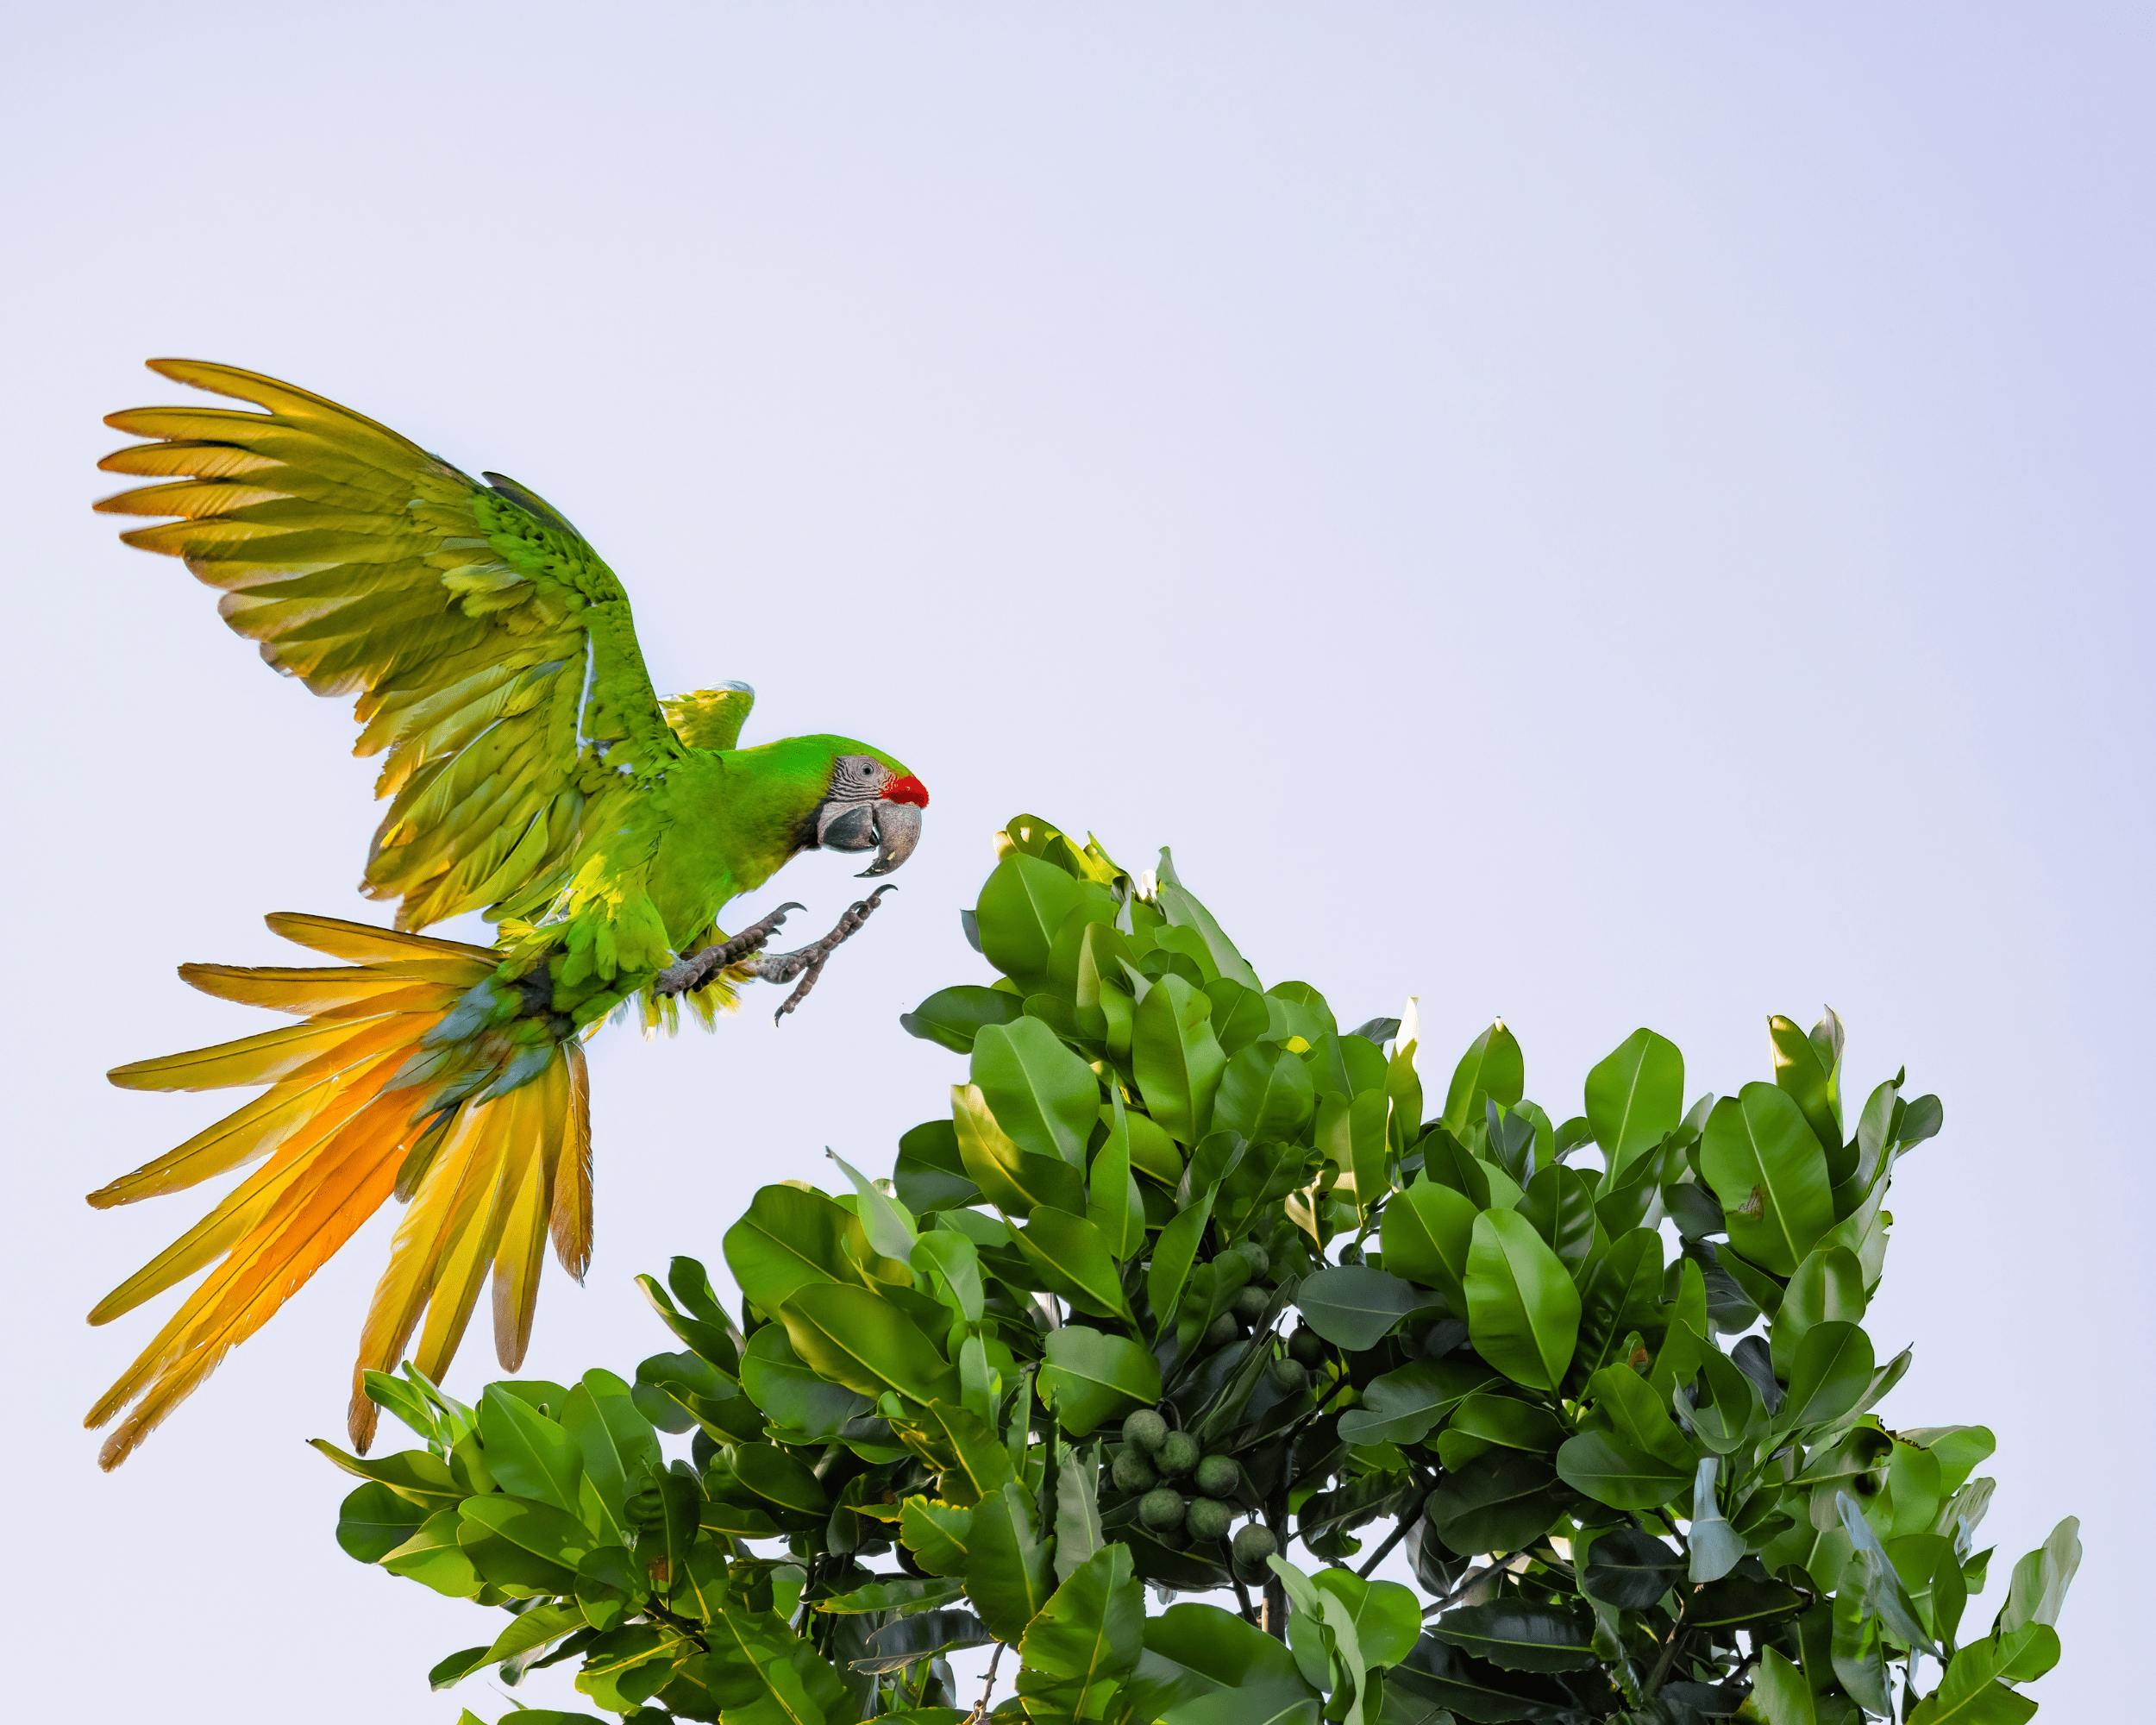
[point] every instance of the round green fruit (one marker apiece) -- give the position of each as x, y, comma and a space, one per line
1134, 1473
1289, 1376
1145, 1427
1254, 1543
1223, 1330
1306, 1346
1161, 1508
1209, 1518
1219, 1475
1178, 1455
1250, 1303
1261, 1260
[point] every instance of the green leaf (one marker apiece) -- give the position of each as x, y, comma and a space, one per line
1491, 1071
953, 1016
1387, 1618
910, 1639
453, 1669
889, 1224
1715, 1546
1070, 1258
1523, 1309
853, 1337
1974, 1690
1172, 1254
515, 1543
1355, 1307
1499, 1502
1085, 1641
414, 1474
904, 1594
2041, 1579
1638, 1415
936, 1534
534, 1630
1401, 1405
1180, 907
777, 1478
1091, 1378
790, 1239
609, 1585
1427, 1232
1769, 1171
1266, 1094
1635, 1098
1808, 1080
433, 1558
1833, 1370
1044, 1097
1630, 1570
1610, 1470
1780, 1693
1520, 1637
1011, 1179
1559, 1203
1176, 1060
528, 1454
373, 1521
795, 1397
1114, 1206
1195, 1653
1078, 1531
615, 1442
929, 1174
1008, 1572
1021, 909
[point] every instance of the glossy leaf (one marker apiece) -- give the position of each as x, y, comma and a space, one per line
1520, 1637
1605, 1467
1009, 1574
789, 1239
1014, 1180
1492, 1070
1427, 1231
1354, 1306
952, 1017
1176, 1058
1630, 1570
373, 1521
1833, 1370
1044, 1097
1523, 1310
1085, 1641
1635, 1097
1021, 909
1070, 1258
1769, 1172
1498, 1503
1403, 1405
528, 1454
856, 1339
1091, 1378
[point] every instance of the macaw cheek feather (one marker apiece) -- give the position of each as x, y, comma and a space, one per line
898, 830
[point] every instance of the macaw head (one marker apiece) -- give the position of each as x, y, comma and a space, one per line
871, 803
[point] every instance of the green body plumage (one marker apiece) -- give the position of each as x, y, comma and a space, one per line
533, 774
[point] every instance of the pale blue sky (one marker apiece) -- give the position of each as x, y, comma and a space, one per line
1603, 514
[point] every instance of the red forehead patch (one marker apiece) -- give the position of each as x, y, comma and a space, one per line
908, 789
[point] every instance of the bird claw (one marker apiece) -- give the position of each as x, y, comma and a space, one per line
807, 962
699, 967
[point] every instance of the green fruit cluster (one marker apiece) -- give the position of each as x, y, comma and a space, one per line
1151, 1455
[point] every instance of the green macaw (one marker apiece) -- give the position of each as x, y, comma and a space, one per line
533, 774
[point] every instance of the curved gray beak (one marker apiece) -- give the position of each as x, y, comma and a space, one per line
898, 830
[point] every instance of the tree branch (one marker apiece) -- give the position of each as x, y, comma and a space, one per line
1476, 1580
981, 1707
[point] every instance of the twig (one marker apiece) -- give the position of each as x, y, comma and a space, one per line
1393, 1538
1242, 1594
1660, 1674
981, 1707
1476, 1580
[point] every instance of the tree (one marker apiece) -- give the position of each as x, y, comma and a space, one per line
1633, 1469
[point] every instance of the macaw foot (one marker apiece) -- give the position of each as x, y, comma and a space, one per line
807, 962
699, 967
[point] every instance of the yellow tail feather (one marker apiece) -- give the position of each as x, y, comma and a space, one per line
332, 1137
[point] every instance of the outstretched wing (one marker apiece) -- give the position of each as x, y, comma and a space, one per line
491, 651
